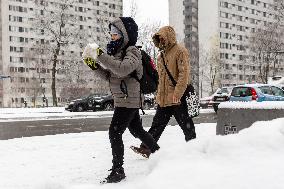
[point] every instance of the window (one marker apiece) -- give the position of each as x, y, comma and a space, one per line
226, 56
226, 66
276, 91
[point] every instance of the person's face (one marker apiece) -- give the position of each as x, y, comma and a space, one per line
114, 36
162, 42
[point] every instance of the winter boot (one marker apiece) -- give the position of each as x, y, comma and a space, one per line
116, 175
142, 150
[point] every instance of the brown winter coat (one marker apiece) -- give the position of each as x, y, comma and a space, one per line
177, 60
117, 70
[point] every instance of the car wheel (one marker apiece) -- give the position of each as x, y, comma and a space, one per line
80, 108
215, 107
108, 106
147, 106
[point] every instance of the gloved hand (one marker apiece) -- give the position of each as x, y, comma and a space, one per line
90, 51
90, 54
91, 63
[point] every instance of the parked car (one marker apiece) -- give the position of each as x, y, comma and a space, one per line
206, 102
103, 102
257, 92
221, 95
149, 101
92, 102
96, 102
106, 102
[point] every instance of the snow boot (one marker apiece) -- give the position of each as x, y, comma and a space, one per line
116, 175
142, 150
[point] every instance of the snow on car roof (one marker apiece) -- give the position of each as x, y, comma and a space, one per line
254, 85
252, 105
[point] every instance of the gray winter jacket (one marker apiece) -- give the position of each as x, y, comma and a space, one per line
117, 72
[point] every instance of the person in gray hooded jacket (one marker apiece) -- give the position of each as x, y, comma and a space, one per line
122, 58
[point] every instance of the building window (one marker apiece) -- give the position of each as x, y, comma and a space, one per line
239, 8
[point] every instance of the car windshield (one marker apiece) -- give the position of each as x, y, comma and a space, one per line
92, 95
98, 95
224, 90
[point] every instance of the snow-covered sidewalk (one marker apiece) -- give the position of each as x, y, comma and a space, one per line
251, 159
18, 114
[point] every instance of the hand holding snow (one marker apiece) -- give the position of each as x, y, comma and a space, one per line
90, 51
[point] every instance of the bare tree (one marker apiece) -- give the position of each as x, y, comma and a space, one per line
278, 7
265, 45
210, 65
77, 78
133, 9
56, 21
37, 62
203, 68
146, 31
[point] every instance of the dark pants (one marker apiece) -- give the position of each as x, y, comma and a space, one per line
127, 118
163, 116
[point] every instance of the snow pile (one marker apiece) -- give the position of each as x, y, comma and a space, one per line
251, 159
252, 105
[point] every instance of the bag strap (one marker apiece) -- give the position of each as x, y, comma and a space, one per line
167, 70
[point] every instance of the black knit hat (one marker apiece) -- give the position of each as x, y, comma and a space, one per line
131, 29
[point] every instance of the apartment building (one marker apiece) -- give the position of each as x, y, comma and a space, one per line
17, 38
232, 23
238, 20
183, 16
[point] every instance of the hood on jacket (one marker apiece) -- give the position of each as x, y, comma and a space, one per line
129, 29
168, 34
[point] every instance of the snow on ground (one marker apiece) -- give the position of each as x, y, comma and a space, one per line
251, 159
14, 114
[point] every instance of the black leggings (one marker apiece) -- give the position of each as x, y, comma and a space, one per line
127, 118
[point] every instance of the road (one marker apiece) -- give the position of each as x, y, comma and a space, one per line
18, 129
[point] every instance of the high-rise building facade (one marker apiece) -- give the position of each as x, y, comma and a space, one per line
238, 21
228, 26
183, 16
17, 38
232, 24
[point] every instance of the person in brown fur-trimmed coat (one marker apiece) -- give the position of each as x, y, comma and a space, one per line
169, 97
122, 58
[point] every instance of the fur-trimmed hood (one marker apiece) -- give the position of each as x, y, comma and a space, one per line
168, 34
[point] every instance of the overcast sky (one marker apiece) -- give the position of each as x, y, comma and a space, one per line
149, 11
